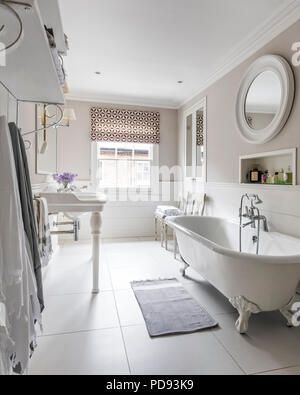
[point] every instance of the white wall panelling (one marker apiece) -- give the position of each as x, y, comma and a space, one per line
123, 219
280, 203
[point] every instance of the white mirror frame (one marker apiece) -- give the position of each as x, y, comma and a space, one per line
283, 70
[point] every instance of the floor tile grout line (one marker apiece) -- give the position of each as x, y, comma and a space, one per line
114, 291
275, 370
76, 293
78, 331
142, 325
229, 353
119, 319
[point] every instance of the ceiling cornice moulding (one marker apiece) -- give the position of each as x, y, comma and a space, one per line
121, 102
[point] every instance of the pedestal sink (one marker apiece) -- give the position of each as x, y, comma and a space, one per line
75, 204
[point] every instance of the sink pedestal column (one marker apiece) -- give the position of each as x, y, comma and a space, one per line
96, 222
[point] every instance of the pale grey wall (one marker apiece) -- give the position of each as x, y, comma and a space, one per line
74, 145
225, 144
27, 123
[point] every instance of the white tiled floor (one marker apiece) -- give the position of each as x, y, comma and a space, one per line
106, 334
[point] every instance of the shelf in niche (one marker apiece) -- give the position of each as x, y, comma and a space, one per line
273, 161
261, 183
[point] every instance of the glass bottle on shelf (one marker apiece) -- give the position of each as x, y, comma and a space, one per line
255, 175
275, 179
289, 174
269, 177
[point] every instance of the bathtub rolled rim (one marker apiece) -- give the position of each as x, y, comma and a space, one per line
270, 259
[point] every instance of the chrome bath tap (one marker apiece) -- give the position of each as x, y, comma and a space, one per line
253, 214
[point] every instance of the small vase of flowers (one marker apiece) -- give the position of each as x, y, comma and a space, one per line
65, 181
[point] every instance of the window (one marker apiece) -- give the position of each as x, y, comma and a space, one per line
123, 165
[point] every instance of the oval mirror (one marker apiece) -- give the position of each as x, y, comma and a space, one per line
265, 99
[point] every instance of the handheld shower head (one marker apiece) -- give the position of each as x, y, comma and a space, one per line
255, 199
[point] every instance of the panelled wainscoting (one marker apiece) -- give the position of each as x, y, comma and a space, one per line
280, 203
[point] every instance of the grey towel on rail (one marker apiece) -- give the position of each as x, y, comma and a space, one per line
27, 205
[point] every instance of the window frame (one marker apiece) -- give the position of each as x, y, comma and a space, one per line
94, 166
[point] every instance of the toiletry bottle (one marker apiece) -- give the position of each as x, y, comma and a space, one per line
281, 176
255, 175
269, 177
264, 177
275, 178
249, 176
289, 175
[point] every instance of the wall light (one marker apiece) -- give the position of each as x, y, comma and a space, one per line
69, 115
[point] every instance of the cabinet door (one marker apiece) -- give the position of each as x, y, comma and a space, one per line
189, 154
195, 142
200, 144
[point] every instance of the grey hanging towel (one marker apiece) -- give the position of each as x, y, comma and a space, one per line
27, 205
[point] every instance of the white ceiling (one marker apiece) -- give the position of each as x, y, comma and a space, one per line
143, 47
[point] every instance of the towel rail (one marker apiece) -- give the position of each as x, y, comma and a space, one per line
61, 115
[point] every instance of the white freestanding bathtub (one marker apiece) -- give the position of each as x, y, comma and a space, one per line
252, 283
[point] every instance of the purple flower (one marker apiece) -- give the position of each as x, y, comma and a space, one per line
65, 178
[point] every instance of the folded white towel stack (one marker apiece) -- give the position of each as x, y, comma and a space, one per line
168, 211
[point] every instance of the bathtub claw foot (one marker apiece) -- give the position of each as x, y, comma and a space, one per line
287, 313
245, 309
184, 269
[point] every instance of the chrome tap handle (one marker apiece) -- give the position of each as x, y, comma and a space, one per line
247, 214
247, 224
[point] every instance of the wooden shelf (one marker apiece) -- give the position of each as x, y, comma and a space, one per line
272, 161
30, 73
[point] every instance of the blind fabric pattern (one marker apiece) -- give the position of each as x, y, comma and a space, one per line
200, 130
125, 126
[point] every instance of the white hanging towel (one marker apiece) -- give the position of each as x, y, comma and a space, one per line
17, 284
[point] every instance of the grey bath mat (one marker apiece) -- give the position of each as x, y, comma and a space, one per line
168, 308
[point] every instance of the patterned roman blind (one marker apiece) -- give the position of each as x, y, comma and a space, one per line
125, 126
200, 129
